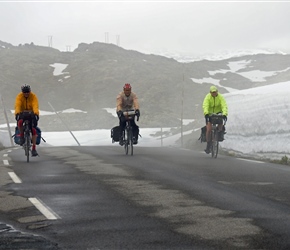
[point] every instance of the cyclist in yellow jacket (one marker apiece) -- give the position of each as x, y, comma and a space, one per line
213, 103
127, 100
27, 101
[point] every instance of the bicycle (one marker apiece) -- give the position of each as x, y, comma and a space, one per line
128, 131
27, 133
216, 119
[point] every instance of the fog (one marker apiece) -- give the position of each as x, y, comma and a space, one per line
189, 28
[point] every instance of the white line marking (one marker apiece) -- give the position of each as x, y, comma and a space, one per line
5, 155
242, 159
6, 162
14, 177
43, 209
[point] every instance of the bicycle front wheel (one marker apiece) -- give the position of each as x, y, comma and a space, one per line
126, 142
131, 141
214, 144
27, 146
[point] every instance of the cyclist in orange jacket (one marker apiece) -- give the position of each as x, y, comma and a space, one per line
27, 101
213, 103
127, 100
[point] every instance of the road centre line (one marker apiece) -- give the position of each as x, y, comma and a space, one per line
5, 155
6, 162
14, 177
47, 212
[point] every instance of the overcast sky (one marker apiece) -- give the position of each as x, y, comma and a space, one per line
191, 28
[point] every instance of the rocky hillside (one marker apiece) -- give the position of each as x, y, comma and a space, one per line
96, 72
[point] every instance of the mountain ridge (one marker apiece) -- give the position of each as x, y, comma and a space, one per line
96, 72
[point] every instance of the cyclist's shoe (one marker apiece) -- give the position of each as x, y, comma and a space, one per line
121, 141
135, 141
21, 140
34, 152
207, 150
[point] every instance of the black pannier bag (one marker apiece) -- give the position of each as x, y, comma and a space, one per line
202, 137
222, 133
136, 132
115, 133
38, 138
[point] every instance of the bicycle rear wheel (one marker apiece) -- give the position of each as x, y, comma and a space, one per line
214, 144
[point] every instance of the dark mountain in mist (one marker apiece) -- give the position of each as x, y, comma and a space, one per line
96, 72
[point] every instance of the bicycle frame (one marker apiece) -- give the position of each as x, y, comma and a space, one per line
216, 119
27, 134
128, 132
214, 141
27, 139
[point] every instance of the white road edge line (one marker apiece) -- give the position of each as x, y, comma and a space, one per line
48, 213
6, 162
242, 159
14, 177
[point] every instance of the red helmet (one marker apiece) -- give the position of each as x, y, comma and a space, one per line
127, 86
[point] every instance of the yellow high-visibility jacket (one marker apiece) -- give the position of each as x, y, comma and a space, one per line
214, 105
30, 103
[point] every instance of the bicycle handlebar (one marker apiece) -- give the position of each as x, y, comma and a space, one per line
129, 113
216, 115
27, 113
216, 118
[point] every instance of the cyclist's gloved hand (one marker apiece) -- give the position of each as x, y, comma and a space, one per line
36, 117
137, 112
17, 117
120, 113
225, 118
206, 118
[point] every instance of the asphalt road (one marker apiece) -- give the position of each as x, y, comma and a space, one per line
160, 198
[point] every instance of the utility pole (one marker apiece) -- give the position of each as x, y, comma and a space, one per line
106, 37
118, 40
64, 124
182, 97
50, 41
7, 121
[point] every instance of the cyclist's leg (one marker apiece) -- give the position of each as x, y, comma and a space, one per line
122, 125
33, 136
20, 126
21, 131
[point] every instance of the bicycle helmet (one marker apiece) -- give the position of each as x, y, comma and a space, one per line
25, 88
127, 86
213, 89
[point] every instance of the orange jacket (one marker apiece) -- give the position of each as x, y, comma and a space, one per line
126, 103
29, 103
